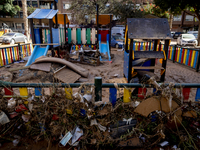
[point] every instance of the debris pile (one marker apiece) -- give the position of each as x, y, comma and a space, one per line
157, 121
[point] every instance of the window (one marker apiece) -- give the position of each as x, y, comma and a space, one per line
16, 16
14, 2
28, 3
22, 25
18, 25
189, 18
34, 4
21, 14
177, 18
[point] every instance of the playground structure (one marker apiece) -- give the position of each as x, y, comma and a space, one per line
62, 38
141, 60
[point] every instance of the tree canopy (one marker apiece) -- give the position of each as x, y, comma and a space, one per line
86, 9
176, 6
7, 7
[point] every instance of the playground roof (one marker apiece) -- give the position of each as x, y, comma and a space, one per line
153, 28
104, 19
43, 14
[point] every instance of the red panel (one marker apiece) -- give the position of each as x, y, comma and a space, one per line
186, 94
11, 55
182, 56
8, 91
103, 35
190, 57
147, 46
142, 92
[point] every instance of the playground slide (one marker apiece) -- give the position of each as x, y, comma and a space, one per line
104, 50
38, 51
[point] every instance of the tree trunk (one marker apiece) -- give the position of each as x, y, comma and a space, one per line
25, 20
199, 35
170, 21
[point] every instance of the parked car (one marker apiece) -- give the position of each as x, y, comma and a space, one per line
117, 41
176, 34
195, 33
187, 39
13, 38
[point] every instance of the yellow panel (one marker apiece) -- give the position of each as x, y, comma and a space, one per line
144, 46
179, 49
192, 61
23, 52
15, 52
23, 91
104, 19
171, 52
68, 92
1, 63
61, 19
184, 60
127, 95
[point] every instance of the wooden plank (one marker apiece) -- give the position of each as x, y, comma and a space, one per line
66, 75
41, 66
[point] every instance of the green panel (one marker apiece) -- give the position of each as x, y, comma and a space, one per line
88, 36
69, 35
78, 35
45, 36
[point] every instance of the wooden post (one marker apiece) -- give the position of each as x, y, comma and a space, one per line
130, 61
32, 31
162, 78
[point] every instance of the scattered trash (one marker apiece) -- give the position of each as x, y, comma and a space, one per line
165, 143
11, 103
26, 117
66, 138
3, 118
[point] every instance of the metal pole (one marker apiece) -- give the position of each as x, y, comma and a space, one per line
65, 26
32, 31
174, 55
110, 34
98, 88
56, 17
97, 23
198, 62
19, 49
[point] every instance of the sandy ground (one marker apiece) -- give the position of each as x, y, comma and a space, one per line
175, 73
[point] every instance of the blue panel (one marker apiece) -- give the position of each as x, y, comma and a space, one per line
172, 53
141, 46
197, 98
55, 33
34, 13
43, 14
6, 56
37, 36
187, 57
38, 91
113, 96
180, 55
126, 64
195, 60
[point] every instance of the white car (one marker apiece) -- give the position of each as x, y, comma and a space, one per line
186, 39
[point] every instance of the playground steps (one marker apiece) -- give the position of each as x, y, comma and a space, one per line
148, 54
148, 67
139, 61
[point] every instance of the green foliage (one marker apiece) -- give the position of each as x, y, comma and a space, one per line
7, 8
86, 9
30, 9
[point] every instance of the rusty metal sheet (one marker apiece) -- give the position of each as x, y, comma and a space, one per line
148, 28
41, 66
66, 75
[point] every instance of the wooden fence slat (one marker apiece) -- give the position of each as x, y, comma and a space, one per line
38, 91
197, 98
127, 95
186, 94
142, 92
113, 95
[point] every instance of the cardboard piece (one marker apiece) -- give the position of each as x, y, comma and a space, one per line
133, 142
66, 75
41, 66
152, 104
191, 114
